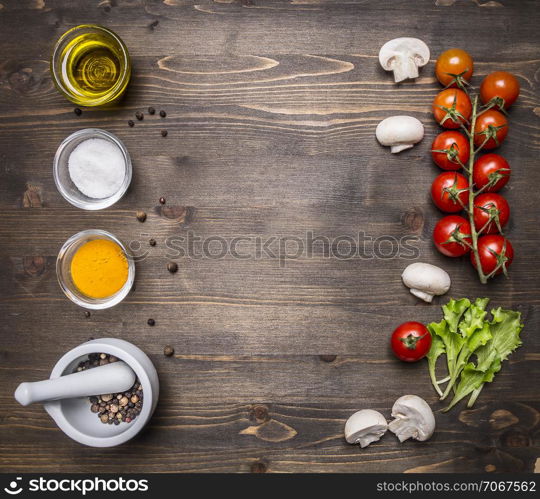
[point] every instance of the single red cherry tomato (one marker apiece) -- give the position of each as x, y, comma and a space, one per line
494, 251
452, 235
448, 189
500, 87
450, 150
451, 108
411, 341
453, 67
491, 169
491, 125
488, 208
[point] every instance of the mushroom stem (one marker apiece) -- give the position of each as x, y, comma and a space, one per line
404, 69
403, 429
400, 147
376, 434
427, 297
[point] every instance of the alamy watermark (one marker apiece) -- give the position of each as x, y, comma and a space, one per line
282, 248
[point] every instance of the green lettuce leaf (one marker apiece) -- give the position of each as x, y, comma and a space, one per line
452, 342
436, 350
505, 329
473, 318
477, 338
453, 311
465, 331
472, 380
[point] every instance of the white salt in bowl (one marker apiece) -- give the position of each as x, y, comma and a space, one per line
62, 178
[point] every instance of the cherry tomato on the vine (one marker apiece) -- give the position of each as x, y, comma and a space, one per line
452, 236
451, 108
411, 341
491, 169
488, 209
450, 150
495, 252
453, 66
500, 87
491, 126
448, 189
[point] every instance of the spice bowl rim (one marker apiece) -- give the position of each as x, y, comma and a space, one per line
122, 81
60, 161
137, 360
94, 303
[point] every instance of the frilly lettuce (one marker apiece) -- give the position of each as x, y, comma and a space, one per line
475, 347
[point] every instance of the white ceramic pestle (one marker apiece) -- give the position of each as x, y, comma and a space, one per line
110, 378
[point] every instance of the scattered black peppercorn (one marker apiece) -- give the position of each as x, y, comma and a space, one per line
172, 267
327, 358
152, 242
141, 216
168, 351
162, 200
131, 123
151, 322
151, 110
77, 111
139, 115
162, 113
86, 314
164, 133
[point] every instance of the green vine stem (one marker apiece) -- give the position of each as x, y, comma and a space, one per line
470, 170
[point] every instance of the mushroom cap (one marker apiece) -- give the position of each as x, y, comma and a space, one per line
426, 277
365, 426
414, 418
396, 130
412, 47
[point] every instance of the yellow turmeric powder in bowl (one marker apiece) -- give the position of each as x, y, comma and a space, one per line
99, 268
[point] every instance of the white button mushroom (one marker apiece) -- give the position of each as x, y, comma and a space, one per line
364, 427
399, 132
404, 56
414, 418
425, 280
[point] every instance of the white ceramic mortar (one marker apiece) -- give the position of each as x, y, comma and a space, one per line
73, 416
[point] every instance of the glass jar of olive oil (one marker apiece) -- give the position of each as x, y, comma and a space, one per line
90, 65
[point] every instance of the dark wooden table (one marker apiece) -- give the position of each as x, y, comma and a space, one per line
271, 111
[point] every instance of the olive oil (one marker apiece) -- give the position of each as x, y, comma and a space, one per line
91, 66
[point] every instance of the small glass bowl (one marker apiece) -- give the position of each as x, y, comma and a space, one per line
58, 61
63, 181
63, 270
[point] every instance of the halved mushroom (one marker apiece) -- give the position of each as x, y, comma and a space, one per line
414, 418
399, 132
404, 56
364, 427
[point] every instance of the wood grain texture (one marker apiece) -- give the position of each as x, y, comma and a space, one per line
271, 109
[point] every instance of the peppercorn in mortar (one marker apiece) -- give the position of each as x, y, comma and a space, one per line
113, 408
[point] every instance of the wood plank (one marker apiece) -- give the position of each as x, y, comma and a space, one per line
216, 27
195, 326
309, 437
